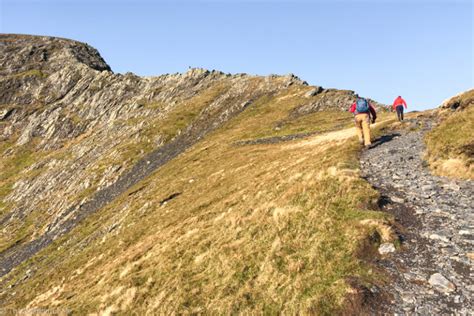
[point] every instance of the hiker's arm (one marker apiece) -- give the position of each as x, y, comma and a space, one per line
353, 107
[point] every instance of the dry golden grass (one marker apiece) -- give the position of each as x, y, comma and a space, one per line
450, 146
255, 229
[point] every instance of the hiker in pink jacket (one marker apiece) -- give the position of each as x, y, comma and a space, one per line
398, 105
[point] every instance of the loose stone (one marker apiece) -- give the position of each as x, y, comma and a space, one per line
397, 199
439, 282
386, 248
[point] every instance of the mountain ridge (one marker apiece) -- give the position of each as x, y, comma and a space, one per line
79, 141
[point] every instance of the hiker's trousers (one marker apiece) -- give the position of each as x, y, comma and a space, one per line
399, 109
362, 123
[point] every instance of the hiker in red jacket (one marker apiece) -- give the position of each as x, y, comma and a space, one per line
364, 112
398, 106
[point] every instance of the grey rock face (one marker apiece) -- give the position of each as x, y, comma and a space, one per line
314, 92
20, 53
435, 258
323, 99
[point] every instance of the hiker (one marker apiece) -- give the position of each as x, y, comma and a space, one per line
398, 106
364, 113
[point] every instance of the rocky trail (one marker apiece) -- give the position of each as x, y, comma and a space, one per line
431, 273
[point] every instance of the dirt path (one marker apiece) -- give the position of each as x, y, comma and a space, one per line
432, 271
331, 136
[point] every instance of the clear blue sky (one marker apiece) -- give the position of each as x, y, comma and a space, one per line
420, 49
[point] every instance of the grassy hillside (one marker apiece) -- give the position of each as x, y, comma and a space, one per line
450, 146
222, 228
121, 145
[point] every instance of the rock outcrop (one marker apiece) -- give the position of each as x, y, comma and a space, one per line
324, 99
460, 101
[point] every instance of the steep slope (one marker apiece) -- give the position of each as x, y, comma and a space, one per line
173, 193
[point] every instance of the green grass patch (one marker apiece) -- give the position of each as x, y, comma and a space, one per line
271, 116
30, 73
163, 129
14, 162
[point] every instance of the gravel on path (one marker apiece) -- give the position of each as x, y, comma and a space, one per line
431, 273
